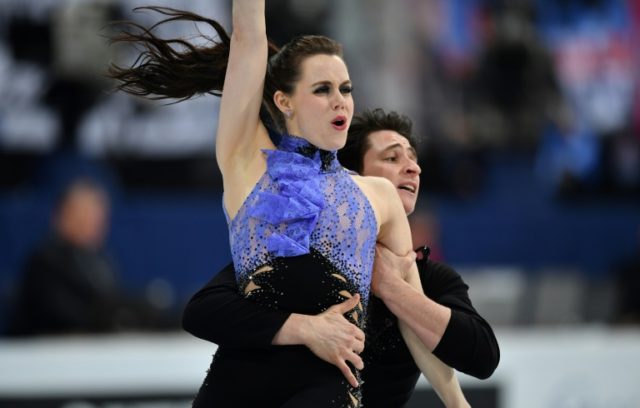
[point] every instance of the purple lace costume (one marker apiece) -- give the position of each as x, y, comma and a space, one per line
305, 200
303, 240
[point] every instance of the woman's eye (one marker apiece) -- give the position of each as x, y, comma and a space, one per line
346, 89
321, 90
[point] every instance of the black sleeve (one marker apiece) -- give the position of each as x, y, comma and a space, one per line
468, 343
219, 314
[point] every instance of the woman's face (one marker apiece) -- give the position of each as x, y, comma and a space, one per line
321, 102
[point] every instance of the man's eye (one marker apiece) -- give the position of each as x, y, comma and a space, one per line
391, 158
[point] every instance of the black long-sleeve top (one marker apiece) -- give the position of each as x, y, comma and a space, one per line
220, 314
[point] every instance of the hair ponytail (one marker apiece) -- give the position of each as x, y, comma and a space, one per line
172, 68
176, 69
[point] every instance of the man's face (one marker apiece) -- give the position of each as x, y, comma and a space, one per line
391, 156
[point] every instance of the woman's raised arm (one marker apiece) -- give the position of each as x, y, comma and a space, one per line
240, 134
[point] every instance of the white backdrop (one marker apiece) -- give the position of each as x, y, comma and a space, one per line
567, 368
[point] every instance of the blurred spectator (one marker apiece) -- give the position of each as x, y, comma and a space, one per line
568, 157
592, 42
68, 284
593, 49
515, 91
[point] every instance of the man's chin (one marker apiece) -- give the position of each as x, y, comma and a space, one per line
408, 201
408, 208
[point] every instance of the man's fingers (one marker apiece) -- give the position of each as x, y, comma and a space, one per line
347, 305
356, 360
346, 371
358, 347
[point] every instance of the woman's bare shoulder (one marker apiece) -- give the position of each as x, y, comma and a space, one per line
378, 186
377, 190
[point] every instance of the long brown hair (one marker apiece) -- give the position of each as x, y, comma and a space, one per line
177, 69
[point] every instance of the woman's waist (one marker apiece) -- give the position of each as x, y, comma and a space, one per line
302, 284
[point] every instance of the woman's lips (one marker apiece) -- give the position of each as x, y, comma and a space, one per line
339, 123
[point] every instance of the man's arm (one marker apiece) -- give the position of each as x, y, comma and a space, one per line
443, 317
441, 376
468, 343
220, 314
404, 296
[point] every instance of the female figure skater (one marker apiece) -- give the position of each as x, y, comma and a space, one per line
302, 229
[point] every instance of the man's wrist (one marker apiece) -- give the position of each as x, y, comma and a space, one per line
390, 287
293, 331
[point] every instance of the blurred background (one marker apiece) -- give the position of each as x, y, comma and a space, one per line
529, 116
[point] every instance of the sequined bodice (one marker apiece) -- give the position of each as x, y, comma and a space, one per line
305, 200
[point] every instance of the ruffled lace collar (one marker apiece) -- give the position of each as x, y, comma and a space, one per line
327, 159
297, 168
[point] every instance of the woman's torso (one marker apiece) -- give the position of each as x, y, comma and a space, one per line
302, 241
304, 204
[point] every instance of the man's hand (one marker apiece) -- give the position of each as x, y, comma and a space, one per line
329, 335
389, 266
334, 339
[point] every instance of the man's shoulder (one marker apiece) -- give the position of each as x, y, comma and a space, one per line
439, 279
438, 269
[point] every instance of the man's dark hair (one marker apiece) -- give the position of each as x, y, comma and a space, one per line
363, 124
